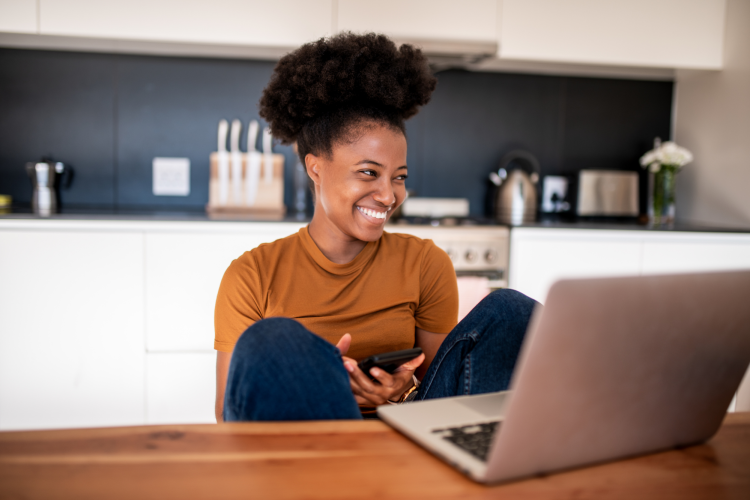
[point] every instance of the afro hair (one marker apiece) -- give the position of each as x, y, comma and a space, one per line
320, 94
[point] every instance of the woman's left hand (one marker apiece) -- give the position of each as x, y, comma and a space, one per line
369, 392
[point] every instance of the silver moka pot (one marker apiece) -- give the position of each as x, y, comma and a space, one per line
46, 176
515, 197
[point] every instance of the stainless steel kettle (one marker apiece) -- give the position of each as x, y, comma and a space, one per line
516, 180
45, 177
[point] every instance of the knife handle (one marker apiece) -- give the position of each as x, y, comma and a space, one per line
222, 158
223, 131
252, 135
234, 136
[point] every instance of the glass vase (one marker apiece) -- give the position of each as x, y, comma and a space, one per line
661, 207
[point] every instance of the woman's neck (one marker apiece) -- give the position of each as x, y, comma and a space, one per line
338, 247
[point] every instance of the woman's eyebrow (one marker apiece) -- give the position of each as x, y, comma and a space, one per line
369, 162
373, 162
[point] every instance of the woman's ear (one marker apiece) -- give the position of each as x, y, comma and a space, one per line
312, 164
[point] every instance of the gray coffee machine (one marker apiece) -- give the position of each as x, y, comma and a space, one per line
46, 177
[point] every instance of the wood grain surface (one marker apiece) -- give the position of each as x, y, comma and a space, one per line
331, 460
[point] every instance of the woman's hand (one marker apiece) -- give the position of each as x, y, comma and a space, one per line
368, 392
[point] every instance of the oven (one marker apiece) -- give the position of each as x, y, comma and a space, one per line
479, 254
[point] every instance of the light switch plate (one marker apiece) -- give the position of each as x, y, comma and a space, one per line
171, 176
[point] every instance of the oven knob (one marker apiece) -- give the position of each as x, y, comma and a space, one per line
451, 253
490, 257
470, 256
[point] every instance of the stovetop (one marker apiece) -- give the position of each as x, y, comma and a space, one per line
444, 221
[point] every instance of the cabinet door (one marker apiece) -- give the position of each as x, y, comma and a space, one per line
180, 388
71, 329
183, 273
18, 16
666, 33
285, 23
695, 252
468, 20
539, 257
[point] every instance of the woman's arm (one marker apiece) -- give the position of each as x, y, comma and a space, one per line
430, 343
222, 370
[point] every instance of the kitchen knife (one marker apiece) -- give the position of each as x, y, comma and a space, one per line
223, 163
253, 164
267, 155
236, 157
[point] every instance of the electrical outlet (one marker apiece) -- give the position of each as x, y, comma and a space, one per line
171, 176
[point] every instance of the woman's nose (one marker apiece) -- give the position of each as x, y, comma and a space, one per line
385, 194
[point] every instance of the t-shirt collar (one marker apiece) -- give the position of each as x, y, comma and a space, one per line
362, 258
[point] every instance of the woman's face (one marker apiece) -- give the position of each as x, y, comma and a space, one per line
360, 186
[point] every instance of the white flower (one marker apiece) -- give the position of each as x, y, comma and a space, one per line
668, 153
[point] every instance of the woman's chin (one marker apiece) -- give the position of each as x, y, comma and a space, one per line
369, 234
366, 231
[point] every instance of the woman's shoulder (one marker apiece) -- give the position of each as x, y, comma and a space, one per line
408, 244
404, 240
264, 253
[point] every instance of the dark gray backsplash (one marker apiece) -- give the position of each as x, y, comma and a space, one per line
109, 115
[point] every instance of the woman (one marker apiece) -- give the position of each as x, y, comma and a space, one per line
361, 290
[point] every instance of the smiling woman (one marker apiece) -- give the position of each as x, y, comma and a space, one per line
293, 317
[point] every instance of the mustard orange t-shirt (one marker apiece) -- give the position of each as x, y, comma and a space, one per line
395, 284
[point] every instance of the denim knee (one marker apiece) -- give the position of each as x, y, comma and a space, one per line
282, 371
274, 336
509, 298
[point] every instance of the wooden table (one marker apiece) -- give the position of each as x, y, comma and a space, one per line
331, 460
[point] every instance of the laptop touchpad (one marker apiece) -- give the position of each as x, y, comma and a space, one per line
490, 405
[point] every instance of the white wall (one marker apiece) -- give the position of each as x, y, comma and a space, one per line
713, 121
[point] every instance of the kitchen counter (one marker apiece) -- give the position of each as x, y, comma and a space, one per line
344, 459
198, 215
101, 216
634, 226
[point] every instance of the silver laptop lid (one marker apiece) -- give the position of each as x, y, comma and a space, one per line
624, 366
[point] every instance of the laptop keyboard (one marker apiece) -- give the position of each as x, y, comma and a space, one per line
475, 438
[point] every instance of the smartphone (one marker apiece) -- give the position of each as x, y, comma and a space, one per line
388, 361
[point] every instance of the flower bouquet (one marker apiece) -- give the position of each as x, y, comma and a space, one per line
663, 163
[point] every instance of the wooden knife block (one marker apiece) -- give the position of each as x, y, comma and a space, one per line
269, 198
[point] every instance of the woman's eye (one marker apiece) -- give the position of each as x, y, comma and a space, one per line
402, 177
371, 173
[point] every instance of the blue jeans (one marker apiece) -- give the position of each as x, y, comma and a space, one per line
282, 371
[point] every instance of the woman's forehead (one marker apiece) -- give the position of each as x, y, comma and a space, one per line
381, 145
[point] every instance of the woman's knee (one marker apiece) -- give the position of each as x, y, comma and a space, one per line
513, 302
279, 339
270, 333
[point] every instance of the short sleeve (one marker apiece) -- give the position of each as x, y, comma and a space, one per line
238, 303
437, 311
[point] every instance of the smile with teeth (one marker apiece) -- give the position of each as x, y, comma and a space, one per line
373, 213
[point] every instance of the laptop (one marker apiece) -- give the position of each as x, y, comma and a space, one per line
610, 368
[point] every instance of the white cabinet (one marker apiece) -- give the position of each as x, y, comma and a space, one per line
71, 329
539, 257
183, 273
696, 252
111, 323
542, 34
18, 16
286, 23
180, 388
410, 20
662, 33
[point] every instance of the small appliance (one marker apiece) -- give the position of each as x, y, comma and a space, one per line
46, 177
607, 193
513, 196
